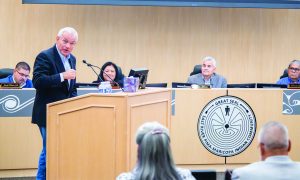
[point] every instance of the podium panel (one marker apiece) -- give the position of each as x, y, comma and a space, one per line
93, 136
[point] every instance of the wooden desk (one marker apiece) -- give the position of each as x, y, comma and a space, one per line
187, 148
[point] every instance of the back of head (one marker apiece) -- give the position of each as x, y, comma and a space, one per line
274, 137
155, 159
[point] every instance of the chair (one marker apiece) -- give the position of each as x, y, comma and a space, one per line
285, 74
161, 85
4, 72
196, 70
228, 173
204, 174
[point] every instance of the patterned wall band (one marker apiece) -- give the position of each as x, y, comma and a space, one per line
19, 103
291, 102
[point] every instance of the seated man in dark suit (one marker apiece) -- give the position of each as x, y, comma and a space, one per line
293, 74
274, 146
20, 76
208, 75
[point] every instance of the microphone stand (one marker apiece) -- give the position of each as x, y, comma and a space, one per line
91, 66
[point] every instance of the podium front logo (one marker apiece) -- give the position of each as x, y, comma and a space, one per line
226, 126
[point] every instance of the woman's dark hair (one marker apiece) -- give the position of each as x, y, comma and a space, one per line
109, 64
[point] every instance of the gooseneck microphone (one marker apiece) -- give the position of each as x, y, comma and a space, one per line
92, 66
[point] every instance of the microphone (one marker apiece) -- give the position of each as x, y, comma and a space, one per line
91, 65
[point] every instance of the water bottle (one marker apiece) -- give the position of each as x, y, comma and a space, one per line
105, 87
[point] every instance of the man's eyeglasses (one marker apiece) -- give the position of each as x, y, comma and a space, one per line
24, 75
294, 69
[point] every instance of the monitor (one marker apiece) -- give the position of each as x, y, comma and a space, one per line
142, 74
181, 85
244, 85
270, 85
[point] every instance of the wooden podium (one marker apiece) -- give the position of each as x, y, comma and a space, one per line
93, 136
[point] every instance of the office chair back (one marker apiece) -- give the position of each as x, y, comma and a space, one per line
196, 70
285, 74
4, 72
204, 174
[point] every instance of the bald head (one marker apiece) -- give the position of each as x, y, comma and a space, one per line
274, 139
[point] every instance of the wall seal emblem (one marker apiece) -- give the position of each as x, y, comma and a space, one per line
226, 126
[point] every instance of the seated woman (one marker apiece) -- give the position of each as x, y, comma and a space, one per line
154, 159
115, 75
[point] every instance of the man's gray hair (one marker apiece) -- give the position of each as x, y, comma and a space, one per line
69, 30
209, 58
294, 62
274, 135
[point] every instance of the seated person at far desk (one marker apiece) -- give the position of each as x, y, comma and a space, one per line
293, 74
20, 75
208, 75
115, 76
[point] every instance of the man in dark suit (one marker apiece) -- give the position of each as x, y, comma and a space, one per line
54, 78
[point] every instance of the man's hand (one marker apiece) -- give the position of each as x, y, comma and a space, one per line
69, 74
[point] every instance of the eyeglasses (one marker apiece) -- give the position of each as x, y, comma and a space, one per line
294, 69
23, 75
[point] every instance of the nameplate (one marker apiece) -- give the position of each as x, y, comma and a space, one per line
9, 86
294, 86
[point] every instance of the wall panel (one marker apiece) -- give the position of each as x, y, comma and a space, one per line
251, 45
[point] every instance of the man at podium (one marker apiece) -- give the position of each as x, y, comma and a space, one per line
54, 79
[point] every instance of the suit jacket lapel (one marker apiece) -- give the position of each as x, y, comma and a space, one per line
72, 65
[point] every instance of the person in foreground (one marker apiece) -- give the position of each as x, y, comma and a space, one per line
54, 79
293, 74
274, 145
20, 76
154, 159
111, 69
208, 75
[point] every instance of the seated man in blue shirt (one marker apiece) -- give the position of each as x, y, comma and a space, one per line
20, 76
293, 74
208, 75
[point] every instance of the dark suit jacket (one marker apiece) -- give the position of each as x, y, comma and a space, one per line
46, 80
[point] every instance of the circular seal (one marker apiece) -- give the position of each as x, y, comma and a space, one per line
226, 126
